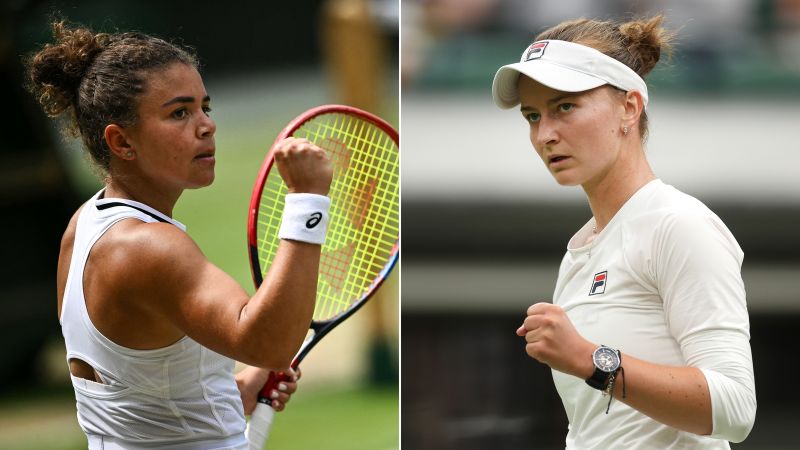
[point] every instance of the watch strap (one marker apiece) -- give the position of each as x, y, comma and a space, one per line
599, 379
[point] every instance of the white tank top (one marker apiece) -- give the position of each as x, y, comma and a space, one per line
178, 397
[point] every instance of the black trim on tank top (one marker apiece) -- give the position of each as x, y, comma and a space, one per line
113, 204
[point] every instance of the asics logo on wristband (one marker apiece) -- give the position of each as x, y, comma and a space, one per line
305, 218
315, 219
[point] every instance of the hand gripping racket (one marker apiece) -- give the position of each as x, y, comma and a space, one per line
361, 246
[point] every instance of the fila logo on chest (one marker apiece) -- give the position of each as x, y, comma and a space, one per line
599, 283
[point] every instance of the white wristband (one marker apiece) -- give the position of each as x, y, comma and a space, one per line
305, 218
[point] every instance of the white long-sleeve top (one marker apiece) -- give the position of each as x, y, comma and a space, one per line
662, 282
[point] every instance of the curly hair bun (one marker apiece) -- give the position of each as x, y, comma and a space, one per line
57, 70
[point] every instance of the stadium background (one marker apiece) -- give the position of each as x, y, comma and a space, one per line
263, 63
485, 226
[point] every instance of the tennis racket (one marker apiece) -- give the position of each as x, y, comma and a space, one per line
361, 245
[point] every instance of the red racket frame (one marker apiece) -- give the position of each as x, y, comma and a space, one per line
320, 328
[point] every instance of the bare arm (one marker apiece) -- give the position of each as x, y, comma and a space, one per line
265, 330
278, 315
164, 287
157, 272
674, 396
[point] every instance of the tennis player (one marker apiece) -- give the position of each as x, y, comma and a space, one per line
649, 306
152, 328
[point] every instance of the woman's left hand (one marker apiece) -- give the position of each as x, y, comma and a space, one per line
252, 379
552, 339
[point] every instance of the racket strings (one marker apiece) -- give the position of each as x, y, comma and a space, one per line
359, 184
365, 219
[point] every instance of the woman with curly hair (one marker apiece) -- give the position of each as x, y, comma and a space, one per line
152, 328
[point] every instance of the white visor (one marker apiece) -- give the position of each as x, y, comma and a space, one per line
564, 66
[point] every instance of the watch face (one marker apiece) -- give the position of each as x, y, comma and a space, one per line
606, 359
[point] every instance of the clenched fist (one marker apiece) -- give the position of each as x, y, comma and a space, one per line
304, 167
550, 338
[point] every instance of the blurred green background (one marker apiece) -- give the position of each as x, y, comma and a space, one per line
262, 64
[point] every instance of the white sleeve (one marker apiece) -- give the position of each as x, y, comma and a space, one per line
698, 274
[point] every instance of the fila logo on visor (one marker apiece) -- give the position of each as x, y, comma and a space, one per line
535, 51
599, 283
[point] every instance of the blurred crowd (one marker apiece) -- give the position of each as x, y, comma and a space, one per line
754, 42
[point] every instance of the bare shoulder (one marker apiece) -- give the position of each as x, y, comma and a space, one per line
143, 247
146, 268
136, 277
157, 275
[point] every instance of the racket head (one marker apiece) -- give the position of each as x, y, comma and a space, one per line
361, 246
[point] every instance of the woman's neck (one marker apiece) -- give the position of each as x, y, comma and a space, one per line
142, 192
608, 194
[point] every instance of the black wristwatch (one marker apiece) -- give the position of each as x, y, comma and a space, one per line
606, 363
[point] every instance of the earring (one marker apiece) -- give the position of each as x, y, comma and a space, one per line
130, 154
625, 131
